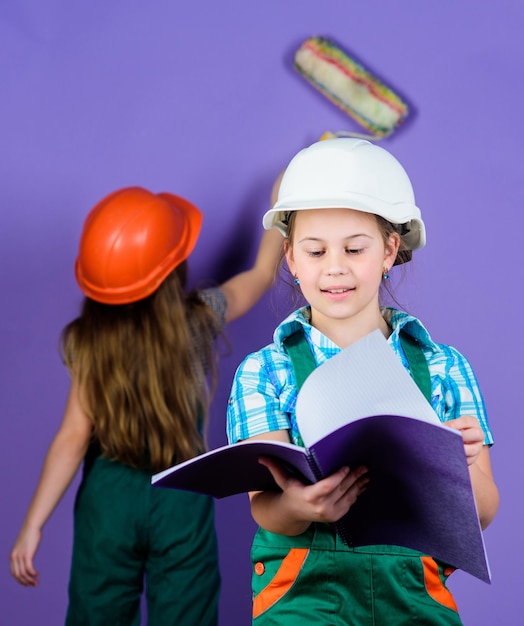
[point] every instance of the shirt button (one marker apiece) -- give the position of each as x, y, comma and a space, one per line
259, 568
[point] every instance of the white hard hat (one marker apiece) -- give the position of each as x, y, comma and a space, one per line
349, 173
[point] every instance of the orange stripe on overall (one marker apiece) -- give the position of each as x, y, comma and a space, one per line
282, 582
434, 585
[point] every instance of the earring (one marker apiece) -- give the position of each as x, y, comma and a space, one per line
385, 274
297, 280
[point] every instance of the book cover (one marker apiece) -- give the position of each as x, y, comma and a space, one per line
361, 407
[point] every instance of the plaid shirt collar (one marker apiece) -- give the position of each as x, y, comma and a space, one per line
324, 348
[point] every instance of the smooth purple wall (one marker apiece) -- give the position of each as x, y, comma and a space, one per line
200, 98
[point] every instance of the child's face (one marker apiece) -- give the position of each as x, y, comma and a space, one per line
339, 256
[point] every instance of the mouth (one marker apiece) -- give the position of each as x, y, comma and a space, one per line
338, 290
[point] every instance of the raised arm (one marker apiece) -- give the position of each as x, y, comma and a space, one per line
245, 289
62, 461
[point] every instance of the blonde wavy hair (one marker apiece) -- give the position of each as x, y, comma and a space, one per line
143, 370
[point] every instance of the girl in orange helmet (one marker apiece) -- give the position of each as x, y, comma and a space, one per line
139, 356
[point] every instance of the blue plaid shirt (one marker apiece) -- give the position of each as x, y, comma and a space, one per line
264, 394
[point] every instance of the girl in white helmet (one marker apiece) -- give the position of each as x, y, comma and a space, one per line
138, 354
347, 210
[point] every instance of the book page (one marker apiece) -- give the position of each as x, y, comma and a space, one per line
363, 380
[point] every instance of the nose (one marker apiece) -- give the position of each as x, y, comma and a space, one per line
335, 265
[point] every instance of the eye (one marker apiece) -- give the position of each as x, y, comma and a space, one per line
315, 253
353, 251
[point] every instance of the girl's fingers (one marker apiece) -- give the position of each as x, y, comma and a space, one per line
355, 478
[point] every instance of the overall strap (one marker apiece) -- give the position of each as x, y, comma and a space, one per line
303, 363
417, 363
297, 347
301, 356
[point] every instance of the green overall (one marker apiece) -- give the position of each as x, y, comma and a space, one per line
314, 578
126, 531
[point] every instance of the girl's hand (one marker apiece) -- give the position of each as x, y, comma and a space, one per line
325, 501
63, 458
472, 436
22, 555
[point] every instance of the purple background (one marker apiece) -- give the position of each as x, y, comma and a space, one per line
199, 98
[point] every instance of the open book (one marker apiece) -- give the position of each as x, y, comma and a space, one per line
362, 407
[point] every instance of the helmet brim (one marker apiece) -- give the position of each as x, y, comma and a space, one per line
406, 214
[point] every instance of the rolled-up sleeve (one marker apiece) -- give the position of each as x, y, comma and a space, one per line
259, 401
459, 392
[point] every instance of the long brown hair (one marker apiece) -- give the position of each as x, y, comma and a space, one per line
143, 370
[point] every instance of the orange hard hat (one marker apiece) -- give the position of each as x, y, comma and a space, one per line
131, 241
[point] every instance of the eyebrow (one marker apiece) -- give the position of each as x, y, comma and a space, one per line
344, 239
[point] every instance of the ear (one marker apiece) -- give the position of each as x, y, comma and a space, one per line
288, 253
391, 249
